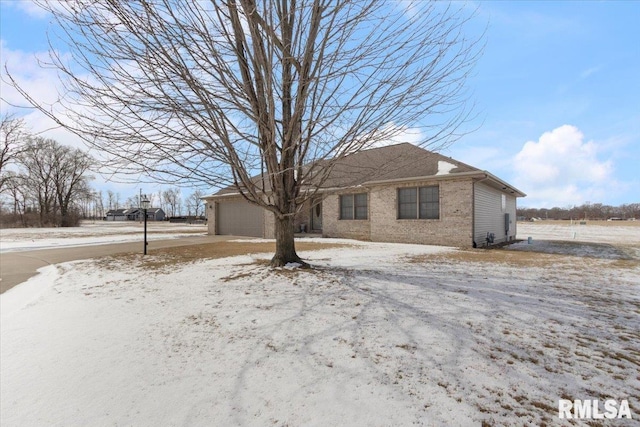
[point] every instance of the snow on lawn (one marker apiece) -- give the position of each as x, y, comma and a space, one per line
592, 239
627, 232
375, 335
99, 233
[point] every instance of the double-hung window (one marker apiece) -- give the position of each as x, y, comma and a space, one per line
419, 203
354, 206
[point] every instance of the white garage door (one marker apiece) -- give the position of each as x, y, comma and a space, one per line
240, 218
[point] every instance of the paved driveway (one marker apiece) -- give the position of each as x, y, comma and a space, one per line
17, 267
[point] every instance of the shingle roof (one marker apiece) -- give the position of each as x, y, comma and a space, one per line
384, 163
390, 163
116, 212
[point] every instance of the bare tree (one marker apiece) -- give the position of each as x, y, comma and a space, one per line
225, 91
195, 205
152, 199
98, 205
70, 180
56, 177
12, 139
16, 189
111, 197
172, 201
133, 201
38, 177
161, 204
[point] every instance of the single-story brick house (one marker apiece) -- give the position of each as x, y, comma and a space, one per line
397, 193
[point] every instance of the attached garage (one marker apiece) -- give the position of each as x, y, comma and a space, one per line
239, 218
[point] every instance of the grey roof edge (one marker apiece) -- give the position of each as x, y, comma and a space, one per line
505, 184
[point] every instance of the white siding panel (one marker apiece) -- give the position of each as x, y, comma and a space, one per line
239, 218
489, 215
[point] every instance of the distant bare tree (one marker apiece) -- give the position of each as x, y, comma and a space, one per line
98, 205
13, 137
71, 180
172, 201
132, 202
195, 205
56, 176
38, 178
113, 200
218, 92
161, 204
16, 189
152, 200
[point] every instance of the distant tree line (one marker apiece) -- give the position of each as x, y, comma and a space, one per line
46, 184
42, 182
586, 211
170, 200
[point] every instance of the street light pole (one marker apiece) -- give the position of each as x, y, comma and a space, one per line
144, 203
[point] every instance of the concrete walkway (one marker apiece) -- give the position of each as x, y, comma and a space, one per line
17, 267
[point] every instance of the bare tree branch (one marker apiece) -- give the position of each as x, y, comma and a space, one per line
219, 92
13, 136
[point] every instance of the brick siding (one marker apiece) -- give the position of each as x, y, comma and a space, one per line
333, 226
452, 229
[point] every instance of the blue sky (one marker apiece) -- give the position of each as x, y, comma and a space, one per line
557, 93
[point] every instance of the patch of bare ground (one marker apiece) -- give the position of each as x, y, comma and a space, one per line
523, 259
165, 258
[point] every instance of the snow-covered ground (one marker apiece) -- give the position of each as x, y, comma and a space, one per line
590, 231
92, 233
375, 335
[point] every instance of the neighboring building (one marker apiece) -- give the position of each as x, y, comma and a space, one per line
399, 193
135, 214
153, 214
117, 215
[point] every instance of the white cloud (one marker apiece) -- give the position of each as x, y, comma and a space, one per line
41, 83
27, 72
391, 134
561, 169
29, 7
589, 71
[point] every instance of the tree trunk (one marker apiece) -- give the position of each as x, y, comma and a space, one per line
285, 243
